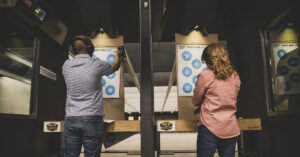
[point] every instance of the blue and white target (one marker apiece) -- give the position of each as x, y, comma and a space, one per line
196, 64
187, 88
112, 76
110, 90
187, 72
111, 58
195, 79
186, 55
281, 53
103, 82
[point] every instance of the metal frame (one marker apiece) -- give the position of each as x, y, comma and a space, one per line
147, 91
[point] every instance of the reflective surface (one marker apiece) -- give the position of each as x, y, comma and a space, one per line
16, 57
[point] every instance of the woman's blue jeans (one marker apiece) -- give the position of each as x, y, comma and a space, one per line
208, 143
86, 131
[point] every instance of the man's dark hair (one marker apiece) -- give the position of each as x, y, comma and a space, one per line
85, 44
79, 45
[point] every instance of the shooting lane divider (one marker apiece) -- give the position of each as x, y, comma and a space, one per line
132, 72
171, 82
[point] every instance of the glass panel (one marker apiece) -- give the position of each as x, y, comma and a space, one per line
16, 57
285, 64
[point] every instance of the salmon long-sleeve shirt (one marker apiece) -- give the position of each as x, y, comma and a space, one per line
218, 100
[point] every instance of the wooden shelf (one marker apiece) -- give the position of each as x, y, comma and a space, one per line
124, 126
180, 125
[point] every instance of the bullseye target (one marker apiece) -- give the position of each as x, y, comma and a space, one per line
187, 88
186, 55
110, 90
111, 58
187, 72
281, 53
197, 64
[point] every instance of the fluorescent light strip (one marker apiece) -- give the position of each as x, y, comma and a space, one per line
19, 59
13, 76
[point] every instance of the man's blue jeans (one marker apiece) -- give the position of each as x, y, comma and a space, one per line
208, 143
86, 131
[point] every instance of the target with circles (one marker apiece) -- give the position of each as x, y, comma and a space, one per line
189, 66
287, 68
280, 50
110, 83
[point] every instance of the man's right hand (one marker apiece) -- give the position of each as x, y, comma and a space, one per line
120, 55
121, 52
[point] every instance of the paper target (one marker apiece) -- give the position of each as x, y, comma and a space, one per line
195, 79
287, 68
196, 64
112, 76
187, 72
282, 49
110, 83
110, 90
103, 82
111, 58
281, 53
189, 66
187, 88
186, 55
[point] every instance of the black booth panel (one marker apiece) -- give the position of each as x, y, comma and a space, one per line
24, 136
52, 94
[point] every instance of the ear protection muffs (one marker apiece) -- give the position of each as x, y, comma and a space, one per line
88, 43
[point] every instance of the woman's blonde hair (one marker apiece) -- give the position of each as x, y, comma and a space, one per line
215, 56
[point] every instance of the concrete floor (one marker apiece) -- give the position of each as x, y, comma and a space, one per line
179, 142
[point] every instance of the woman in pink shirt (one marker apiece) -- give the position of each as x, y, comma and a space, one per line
216, 92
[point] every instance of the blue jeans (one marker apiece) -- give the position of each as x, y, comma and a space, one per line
86, 131
208, 143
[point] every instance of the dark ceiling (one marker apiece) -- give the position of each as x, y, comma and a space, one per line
121, 17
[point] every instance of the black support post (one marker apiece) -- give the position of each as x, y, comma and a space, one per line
147, 98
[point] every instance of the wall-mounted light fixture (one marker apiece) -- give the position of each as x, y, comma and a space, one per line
101, 30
